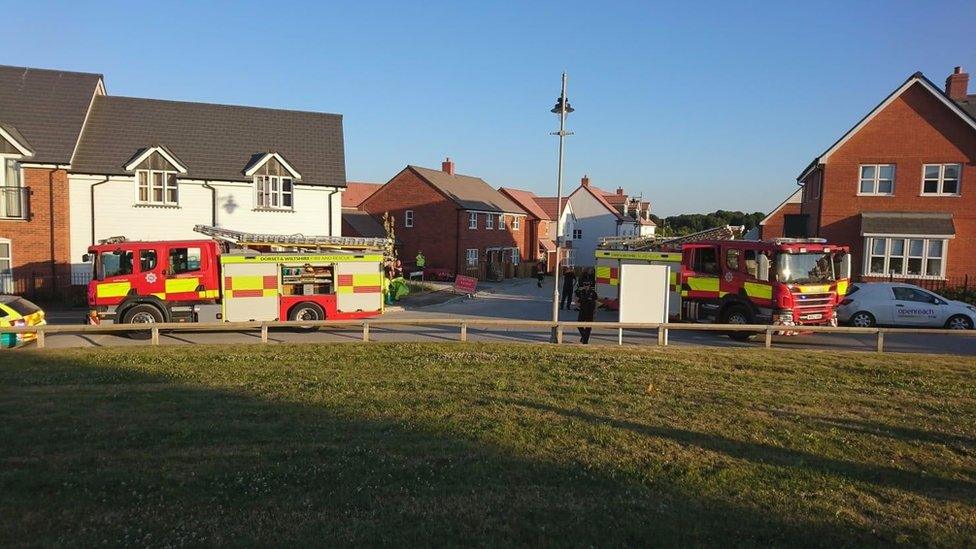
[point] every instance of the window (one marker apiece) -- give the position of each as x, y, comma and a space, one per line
489, 221
408, 218
706, 260
6, 267
472, 220
516, 223
184, 260
147, 260
114, 264
472, 256
751, 265
274, 192
877, 179
941, 179
13, 195
501, 222
577, 234
157, 187
913, 294
906, 257
732, 259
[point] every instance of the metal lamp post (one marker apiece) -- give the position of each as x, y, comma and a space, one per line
562, 110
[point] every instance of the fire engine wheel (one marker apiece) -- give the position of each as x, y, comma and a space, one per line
737, 314
142, 314
307, 311
863, 319
959, 322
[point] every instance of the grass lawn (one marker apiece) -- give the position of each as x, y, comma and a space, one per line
452, 444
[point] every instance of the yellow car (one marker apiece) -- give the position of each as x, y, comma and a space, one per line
17, 311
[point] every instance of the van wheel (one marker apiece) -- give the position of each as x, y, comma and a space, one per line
959, 322
307, 311
142, 313
862, 319
737, 314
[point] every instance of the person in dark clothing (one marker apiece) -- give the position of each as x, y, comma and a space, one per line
587, 309
569, 282
588, 276
540, 271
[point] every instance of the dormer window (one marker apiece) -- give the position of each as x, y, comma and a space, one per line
274, 181
273, 191
156, 172
157, 187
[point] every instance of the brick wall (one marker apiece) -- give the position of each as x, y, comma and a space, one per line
440, 229
915, 129
773, 228
40, 245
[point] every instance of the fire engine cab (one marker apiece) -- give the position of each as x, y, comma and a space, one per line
196, 281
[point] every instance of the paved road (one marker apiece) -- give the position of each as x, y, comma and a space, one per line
521, 300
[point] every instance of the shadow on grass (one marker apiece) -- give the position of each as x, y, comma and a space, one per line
919, 483
118, 456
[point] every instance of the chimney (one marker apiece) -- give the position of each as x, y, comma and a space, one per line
585, 181
620, 191
957, 85
447, 166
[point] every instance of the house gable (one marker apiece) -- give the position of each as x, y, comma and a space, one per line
270, 163
12, 142
155, 158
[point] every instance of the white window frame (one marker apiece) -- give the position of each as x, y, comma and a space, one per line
876, 180
408, 218
471, 259
516, 223
577, 234
941, 180
905, 256
19, 184
473, 221
150, 201
501, 222
7, 279
489, 221
275, 192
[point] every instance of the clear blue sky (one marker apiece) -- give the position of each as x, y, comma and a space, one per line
697, 105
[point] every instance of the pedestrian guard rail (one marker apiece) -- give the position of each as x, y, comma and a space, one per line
463, 324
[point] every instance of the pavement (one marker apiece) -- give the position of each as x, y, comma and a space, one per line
519, 299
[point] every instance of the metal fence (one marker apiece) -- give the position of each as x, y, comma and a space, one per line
462, 325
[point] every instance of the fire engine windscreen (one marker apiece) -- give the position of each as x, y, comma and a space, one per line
807, 268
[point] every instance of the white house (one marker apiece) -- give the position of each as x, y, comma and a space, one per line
567, 224
596, 217
151, 169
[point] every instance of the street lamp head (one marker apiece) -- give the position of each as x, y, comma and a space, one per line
562, 104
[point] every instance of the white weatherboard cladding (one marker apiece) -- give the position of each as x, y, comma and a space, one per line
316, 212
595, 220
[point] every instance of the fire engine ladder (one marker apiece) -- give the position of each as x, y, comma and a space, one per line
650, 243
243, 239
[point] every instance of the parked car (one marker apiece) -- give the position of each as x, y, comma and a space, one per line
17, 311
906, 305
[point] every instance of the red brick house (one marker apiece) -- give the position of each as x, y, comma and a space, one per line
42, 113
356, 222
460, 222
536, 230
900, 186
784, 221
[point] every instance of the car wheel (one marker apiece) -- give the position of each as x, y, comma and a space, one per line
959, 322
863, 319
737, 314
307, 311
142, 313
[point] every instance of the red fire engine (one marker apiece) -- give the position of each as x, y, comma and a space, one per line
195, 281
791, 282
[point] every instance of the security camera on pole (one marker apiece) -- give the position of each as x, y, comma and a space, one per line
562, 110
